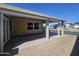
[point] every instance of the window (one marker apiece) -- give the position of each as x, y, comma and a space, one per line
30, 26
10, 25
36, 26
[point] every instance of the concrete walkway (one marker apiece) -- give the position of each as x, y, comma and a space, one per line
55, 46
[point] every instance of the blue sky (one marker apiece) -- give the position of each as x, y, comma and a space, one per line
69, 12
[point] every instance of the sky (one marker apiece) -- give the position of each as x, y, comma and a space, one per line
68, 12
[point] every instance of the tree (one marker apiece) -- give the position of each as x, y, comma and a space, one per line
77, 23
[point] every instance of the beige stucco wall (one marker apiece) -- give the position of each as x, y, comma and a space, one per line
20, 26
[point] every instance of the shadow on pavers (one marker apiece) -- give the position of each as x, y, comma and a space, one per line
75, 50
10, 53
18, 40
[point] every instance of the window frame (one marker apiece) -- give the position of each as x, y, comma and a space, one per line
36, 26
33, 26
27, 26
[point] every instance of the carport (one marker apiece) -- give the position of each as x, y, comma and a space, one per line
6, 12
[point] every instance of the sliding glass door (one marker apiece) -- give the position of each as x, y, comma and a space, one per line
6, 29
4, 32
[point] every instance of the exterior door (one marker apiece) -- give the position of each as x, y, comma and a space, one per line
4, 32
6, 29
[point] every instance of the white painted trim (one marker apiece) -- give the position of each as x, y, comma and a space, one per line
2, 34
6, 19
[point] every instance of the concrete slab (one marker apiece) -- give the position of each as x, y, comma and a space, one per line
55, 46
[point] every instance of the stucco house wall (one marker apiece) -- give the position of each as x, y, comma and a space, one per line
19, 26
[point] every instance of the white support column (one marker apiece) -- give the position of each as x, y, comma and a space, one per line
58, 30
1, 34
62, 30
47, 29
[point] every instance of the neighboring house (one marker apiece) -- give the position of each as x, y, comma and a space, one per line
71, 26
16, 21
68, 25
76, 26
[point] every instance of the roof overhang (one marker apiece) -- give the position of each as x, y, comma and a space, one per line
12, 13
10, 10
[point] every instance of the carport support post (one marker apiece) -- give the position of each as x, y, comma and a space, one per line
58, 29
58, 32
1, 34
62, 30
47, 29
